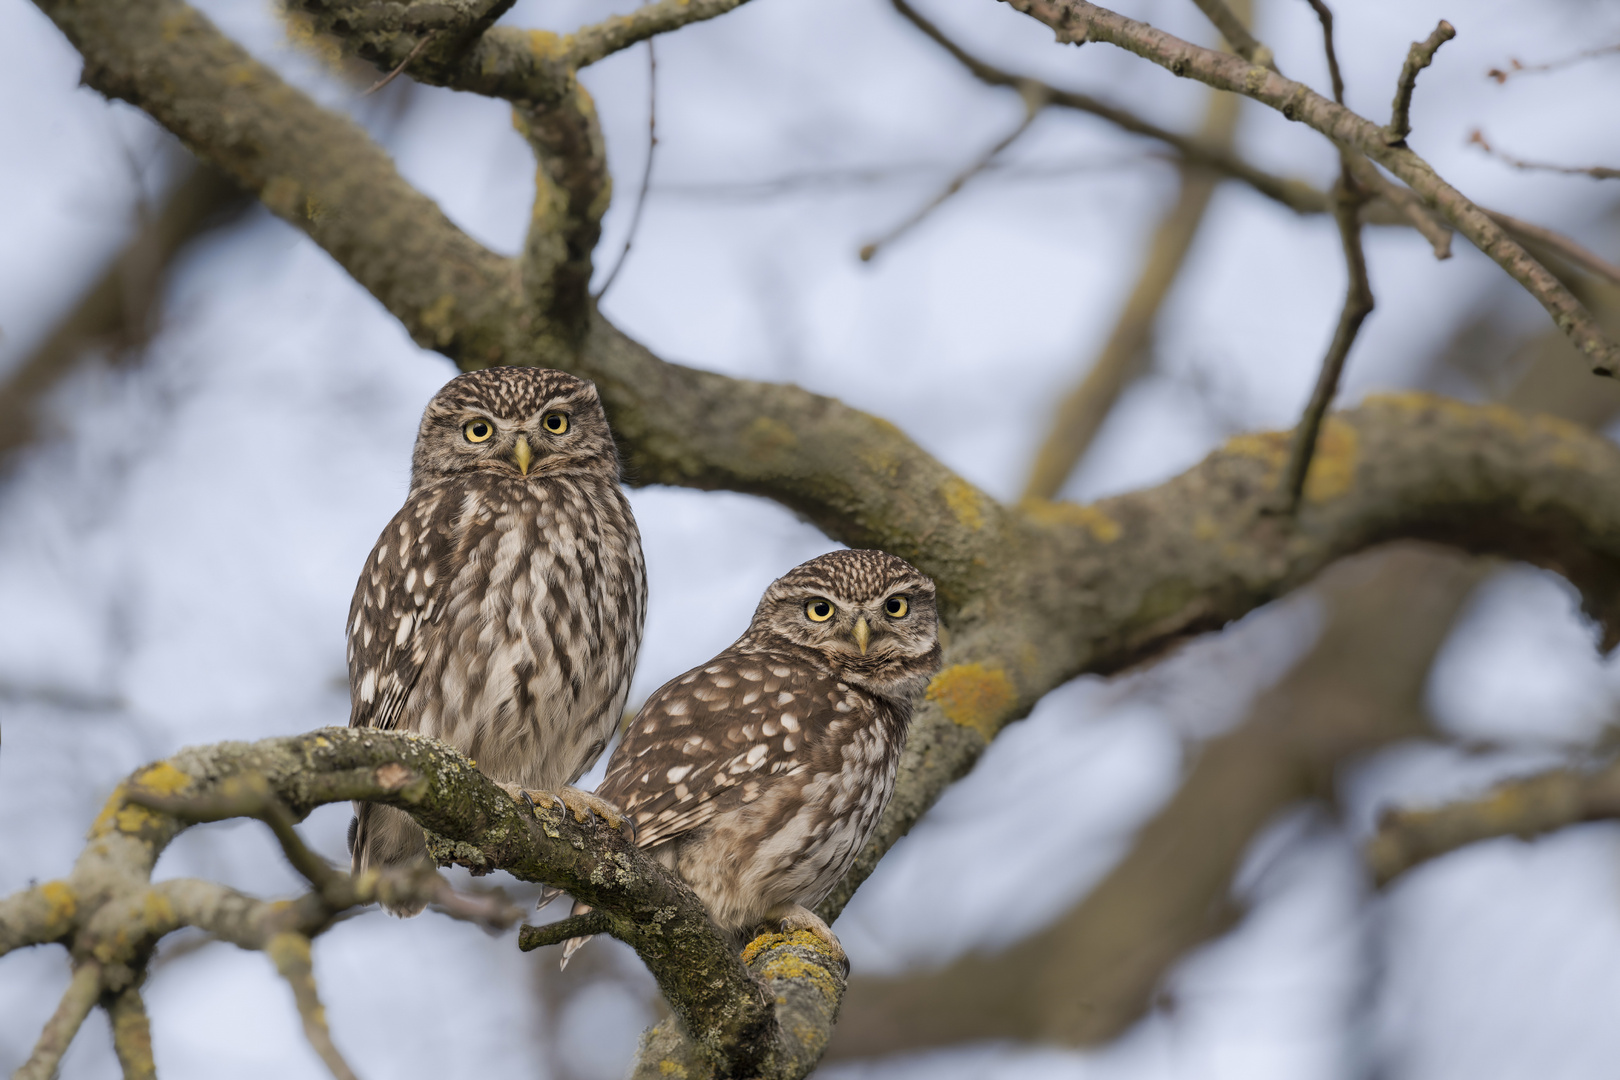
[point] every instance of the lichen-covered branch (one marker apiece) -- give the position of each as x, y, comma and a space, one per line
1091, 974
1524, 808
109, 911
313, 167
1078, 21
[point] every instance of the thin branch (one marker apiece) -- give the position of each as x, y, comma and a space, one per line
403, 64
1596, 172
592, 43
1358, 304
1324, 15
81, 995
290, 953
1523, 808
1348, 199
555, 933
250, 796
1406, 203
1418, 57
131, 1034
1557, 242
1079, 20
1515, 68
1033, 103
646, 173
1295, 194
1236, 34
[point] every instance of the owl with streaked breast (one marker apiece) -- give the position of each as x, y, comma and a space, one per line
758, 776
502, 608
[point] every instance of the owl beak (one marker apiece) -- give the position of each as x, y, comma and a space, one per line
522, 455
863, 633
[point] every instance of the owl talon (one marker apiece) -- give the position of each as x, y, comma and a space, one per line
584, 804
795, 917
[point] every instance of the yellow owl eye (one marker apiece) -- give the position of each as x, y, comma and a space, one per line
896, 607
819, 610
478, 430
555, 422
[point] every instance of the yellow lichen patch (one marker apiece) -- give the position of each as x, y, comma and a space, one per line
976, 696
1091, 518
156, 910
966, 504
1204, 527
436, 317
1333, 466
547, 46
667, 1067
790, 965
61, 903
163, 779
765, 437
322, 742
132, 819
1270, 447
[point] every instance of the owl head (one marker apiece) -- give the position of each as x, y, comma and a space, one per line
868, 614
514, 422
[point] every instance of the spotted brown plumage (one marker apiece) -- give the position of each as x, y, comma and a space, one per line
758, 776
502, 608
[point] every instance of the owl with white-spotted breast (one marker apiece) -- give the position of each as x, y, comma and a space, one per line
758, 776
502, 608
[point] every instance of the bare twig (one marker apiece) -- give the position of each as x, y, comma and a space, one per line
1079, 20
1358, 304
290, 953
1034, 101
250, 796
554, 933
1297, 195
1406, 204
1501, 75
1358, 300
1324, 15
1523, 808
1418, 57
1596, 172
1582, 257
402, 65
80, 997
1236, 34
592, 43
646, 173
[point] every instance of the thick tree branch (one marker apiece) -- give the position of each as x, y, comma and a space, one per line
1524, 808
1078, 21
1085, 979
316, 169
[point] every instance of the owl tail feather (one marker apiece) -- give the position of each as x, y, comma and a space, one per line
573, 944
383, 836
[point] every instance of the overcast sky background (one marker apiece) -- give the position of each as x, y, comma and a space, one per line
177, 560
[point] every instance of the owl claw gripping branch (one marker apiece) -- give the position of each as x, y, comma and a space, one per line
502, 608
758, 776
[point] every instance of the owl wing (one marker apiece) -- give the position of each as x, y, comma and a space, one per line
399, 599
712, 740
